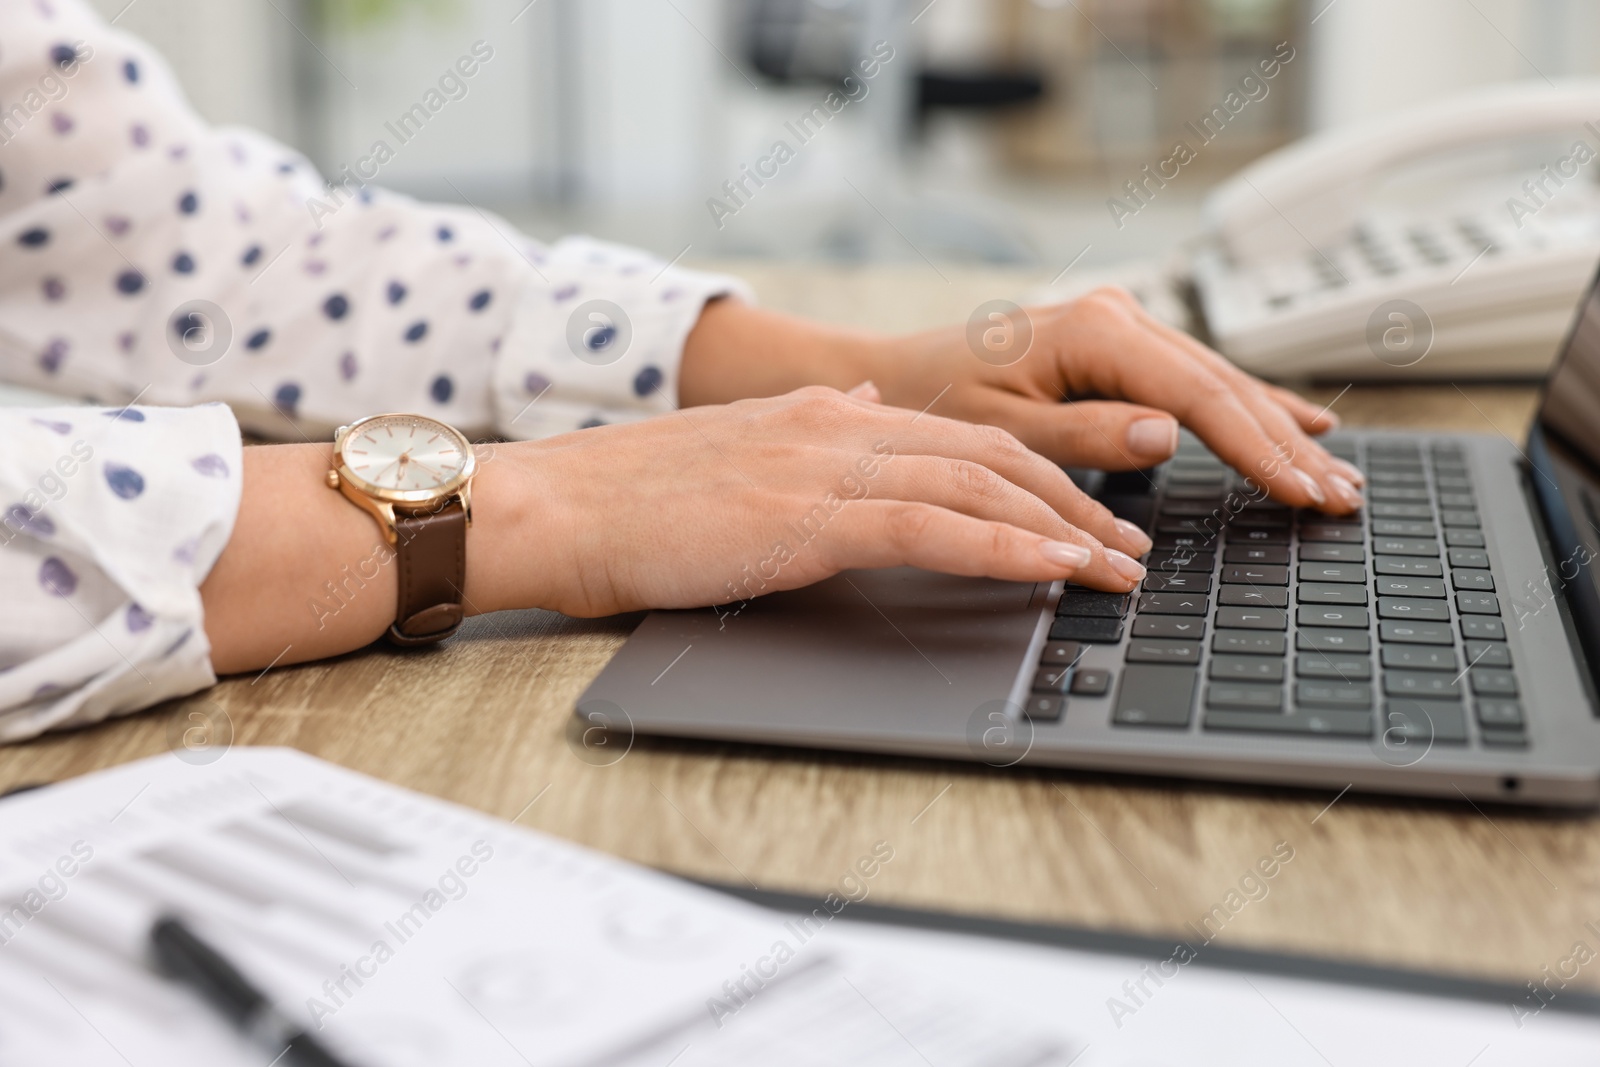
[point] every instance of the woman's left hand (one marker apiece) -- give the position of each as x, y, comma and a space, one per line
1092, 382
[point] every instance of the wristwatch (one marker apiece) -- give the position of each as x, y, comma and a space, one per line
413, 475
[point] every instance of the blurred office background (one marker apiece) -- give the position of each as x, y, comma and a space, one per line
994, 135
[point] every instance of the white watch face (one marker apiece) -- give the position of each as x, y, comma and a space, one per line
404, 452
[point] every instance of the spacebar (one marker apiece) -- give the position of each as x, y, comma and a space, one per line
1155, 694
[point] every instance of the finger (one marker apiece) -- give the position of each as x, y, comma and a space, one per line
1003, 453
868, 391
1312, 419
1106, 435
973, 489
1295, 445
1151, 370
893, 533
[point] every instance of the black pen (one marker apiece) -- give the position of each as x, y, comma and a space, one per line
185, 957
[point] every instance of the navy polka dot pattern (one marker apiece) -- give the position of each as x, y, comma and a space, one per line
124, 213
146, 496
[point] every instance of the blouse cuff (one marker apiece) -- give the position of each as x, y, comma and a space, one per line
599, 338
109, 547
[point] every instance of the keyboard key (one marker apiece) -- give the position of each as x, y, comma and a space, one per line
1394, 607
1253, 596
1468, 557
1070, 628
1190, 509
1333, 666
1238, 536
1332, 553
1488, 654
1398, 565
1405, 546
1052, 679
1458, 500
1454, 517
1179, 582
1044, 707
1234, 618
1183, 560
1383, 475
1277, 555
1400, 511
1249, 642
1245, 697
1319, 593
1452, 481
1498, 713
1182, 542
1477, 604
1246, 668
1415, 633
1155, 694
1305, 721
1423, 587
1252, 574
1332, 641
1489, 682
1482, 628
1458, 538
1420, 658
1404, 528
1403, 494
1434, 684
1422, 722
1482, 581
1319, 615
1173, 604
1091, 681
1333, 695
1337, 533
1351, 573
1084, 604
1158, 650
1182, 627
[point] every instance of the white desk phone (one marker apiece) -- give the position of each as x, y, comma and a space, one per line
1300, 258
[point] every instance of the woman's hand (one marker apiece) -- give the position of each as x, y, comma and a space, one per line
1102, 384
704, 506
719, 504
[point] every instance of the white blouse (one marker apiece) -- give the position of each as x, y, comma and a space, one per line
147, 259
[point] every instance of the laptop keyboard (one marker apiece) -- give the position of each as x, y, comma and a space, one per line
1261, 619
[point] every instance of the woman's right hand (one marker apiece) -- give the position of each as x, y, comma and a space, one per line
717, 504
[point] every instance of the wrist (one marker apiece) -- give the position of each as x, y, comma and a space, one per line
737, 351
513, 545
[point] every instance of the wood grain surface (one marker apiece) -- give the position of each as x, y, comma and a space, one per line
486, 721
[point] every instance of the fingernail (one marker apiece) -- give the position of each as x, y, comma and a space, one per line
1312, 488
1348, 494
1133, 535
1333, 421
1125, 565
867, 390
1153, 437
1065, 553
1350, 471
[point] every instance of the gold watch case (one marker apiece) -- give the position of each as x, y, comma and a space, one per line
382, 503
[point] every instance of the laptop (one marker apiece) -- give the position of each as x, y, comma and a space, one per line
1439, 643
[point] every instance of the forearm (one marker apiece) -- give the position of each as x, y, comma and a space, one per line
308, 575
737, 351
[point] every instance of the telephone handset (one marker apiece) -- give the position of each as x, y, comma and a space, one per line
1303, 273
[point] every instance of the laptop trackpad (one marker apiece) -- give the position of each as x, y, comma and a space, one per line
864, 653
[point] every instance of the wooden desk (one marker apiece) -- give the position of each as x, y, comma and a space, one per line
1495, 892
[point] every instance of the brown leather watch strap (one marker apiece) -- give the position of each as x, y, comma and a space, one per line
432, 551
